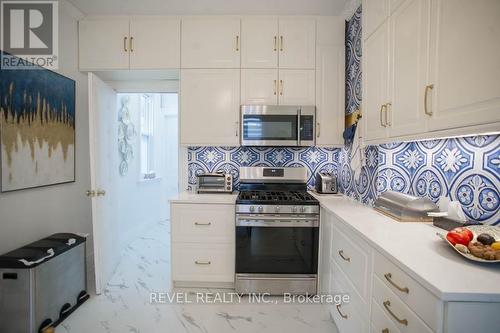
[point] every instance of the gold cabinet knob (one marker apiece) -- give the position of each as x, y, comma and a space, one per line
90, 193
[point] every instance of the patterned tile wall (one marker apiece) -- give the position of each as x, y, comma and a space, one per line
464, 169
230, 159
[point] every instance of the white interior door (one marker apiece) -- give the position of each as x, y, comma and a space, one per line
104, 175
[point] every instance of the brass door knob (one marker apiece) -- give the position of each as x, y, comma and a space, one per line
90, 193
101, 193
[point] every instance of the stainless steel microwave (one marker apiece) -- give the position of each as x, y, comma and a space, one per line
278, 125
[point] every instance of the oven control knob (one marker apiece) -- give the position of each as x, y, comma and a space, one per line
277, 209
261, 209
302, 209
252, 209
294, 209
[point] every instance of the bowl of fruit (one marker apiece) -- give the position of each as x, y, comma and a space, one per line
476, 242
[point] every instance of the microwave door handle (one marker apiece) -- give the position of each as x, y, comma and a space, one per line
299, 125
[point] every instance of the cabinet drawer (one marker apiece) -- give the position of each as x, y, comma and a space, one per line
352, 259
203, 262
380, 322
341, 285
419, 299
404, 319
197, 223
347, 316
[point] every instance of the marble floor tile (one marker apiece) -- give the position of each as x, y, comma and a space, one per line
124, 306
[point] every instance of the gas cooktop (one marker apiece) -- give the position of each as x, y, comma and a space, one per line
276, 198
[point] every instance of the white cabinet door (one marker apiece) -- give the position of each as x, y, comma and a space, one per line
103, 43
209, 109
375, 75
210, 42
155, 43
297, 43
330, 87
259, 42
296, 87
465, 65
259, 86
326, 229
374, 13
409, 28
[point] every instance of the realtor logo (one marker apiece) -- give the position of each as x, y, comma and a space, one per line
29, 38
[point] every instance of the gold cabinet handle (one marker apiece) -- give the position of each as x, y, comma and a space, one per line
383, 115
281, 43
90, 193
199, 223
275, 43
341, 254
125, 44
281, 87
198, 262
382, 123
131, 44
275, 87
318, 128
385, 330
100, 193
426, 109
237, 43
388, 120
388, 277
387, 305
344, 316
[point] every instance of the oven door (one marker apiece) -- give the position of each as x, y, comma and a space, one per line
265, 125
277, 244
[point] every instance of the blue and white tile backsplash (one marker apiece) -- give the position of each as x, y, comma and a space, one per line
230, 159
464, 169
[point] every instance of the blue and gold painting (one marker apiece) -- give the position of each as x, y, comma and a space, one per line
37, 128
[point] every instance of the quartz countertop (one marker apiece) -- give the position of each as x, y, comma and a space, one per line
417, 250
205, 198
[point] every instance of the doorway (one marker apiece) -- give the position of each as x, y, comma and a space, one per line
134, 165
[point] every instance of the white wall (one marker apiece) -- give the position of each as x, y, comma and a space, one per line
143, 202
28, 215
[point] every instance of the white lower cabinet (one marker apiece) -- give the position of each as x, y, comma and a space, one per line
383, 297
203, 262
203, 247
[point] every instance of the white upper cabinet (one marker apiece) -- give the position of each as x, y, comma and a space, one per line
259, 42
296, 87
374, 13
259, 86
103, 43
375, 83
297, 43
155, 43
465, 63
408, 65
210, 100
210, 42
123, 43
330, 81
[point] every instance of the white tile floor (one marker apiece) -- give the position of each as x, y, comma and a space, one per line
125, 304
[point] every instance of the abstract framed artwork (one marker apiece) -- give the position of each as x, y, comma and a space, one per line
37, 129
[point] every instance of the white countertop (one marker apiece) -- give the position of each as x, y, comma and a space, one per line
205, 198
416, 249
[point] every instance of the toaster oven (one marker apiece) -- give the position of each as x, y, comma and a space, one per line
215, 183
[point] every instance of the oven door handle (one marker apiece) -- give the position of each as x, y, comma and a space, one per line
276, 221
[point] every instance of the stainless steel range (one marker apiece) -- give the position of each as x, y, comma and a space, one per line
277, 231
